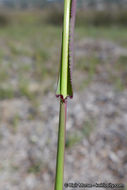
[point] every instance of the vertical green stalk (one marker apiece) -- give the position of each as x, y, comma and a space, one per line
65, 53
63, 92
64, 88
61, 147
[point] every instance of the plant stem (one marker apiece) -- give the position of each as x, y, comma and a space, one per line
61, 146
65, 49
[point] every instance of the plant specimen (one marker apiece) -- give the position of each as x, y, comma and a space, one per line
64, 88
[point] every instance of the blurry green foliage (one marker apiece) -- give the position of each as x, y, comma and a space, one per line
88, 128
6, 93
25, 91
35, 168
54, 16
102, 18
4, 20
72, 139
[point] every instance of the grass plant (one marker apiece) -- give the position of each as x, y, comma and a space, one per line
64, 89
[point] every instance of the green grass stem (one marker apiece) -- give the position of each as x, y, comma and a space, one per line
61, 147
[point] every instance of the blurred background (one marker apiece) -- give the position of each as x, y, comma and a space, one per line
96, 139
